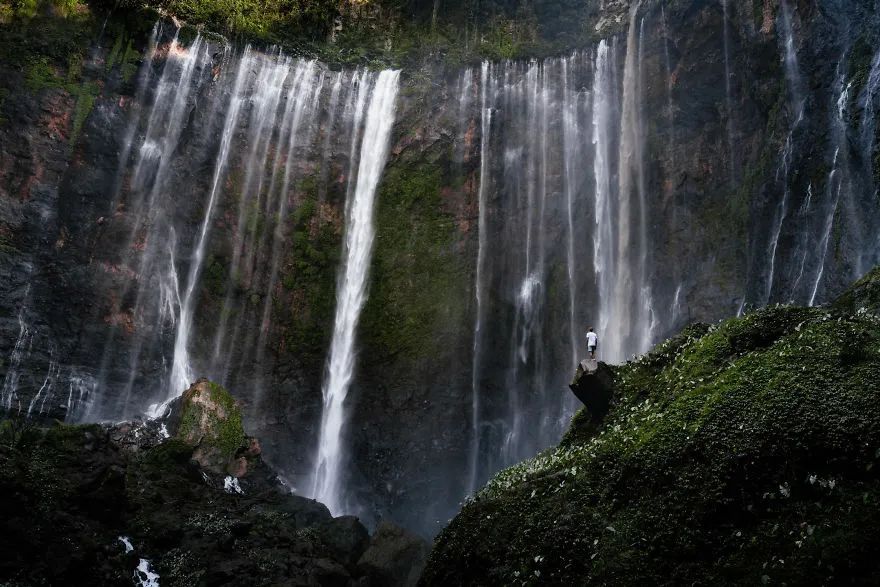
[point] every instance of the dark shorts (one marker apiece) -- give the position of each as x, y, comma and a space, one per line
591, 347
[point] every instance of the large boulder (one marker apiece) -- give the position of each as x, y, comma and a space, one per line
210, 421
346, 537
593, 385
394, 557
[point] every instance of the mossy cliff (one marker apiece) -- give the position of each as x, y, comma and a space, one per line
365, 32
744, 452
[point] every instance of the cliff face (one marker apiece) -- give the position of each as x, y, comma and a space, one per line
735, 453
747, 146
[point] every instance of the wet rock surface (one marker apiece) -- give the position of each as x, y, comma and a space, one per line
75, 497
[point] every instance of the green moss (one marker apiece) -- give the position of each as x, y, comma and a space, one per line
40, 75
172, 452
863, 296
309, 276
414, 259
29, 33
86, 94
744, 453
113, 55
215, 276
226, 434
129, 62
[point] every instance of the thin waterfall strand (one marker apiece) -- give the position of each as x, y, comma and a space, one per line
352, 293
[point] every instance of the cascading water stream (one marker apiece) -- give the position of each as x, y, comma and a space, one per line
181, 371
182, 74
555, 123
604, 243
838, 179
869, 254
479, 286
783, 171
669, 83
571, 132
630, 310
352, 290
22, 347
728, 94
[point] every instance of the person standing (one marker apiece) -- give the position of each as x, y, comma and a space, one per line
592, 342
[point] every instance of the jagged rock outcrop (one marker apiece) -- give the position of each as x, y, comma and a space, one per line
593, 384
739, 453
88, 504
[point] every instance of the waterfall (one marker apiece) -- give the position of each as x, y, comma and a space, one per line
630, 313
669, 83
352, 289
870, 252
571, 148
838, 178
550, 160
153, 232
604, 243
727, 92
207, 178
783, 176
790, 60
479, 285
181, 371
22, 347
465, 95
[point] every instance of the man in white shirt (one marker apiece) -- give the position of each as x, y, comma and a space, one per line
592, 342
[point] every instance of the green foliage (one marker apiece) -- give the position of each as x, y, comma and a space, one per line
39, 75
309, 276
270, 21
745, 452
86, 94
129, 62
43, 73
32, 29
502, 42
414, 260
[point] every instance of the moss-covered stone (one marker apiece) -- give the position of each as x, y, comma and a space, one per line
745, 452
211, 422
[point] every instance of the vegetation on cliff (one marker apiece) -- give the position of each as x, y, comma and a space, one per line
365, 32
744, 452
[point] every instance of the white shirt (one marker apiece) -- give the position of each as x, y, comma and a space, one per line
592, 339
